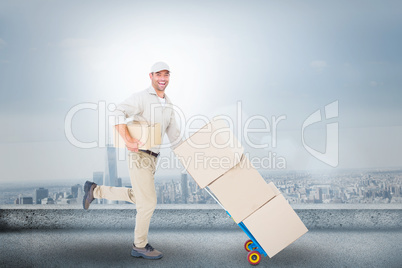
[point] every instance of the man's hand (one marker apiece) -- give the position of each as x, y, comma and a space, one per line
133, 144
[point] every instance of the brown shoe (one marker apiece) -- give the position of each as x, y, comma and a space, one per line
147, 253
89, 194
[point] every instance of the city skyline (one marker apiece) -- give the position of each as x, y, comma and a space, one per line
358, 187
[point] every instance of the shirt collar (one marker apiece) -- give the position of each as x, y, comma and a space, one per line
151, 90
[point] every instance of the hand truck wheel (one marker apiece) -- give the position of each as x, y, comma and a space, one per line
254, 257
247, 245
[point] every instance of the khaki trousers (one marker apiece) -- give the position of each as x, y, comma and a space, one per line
142, 169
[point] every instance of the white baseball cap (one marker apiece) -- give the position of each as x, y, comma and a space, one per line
159, 66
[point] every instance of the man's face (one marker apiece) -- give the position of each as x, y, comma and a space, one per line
160, 79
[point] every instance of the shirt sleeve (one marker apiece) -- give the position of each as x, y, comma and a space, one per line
129, 108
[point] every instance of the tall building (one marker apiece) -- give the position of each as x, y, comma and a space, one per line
40, 194
119, 182
184, 188
318, 195
159, 193
111, 169
111, 166
98, 177
26, 200
75, 190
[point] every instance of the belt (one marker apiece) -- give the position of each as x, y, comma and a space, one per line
149, 152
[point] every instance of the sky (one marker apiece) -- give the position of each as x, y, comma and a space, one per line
271, 58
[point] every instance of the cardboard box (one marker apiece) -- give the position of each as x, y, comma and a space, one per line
242, 190
275, 225
239, 187
210, 152
149, 134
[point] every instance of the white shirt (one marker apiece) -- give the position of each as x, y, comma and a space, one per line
140, 106
162, 100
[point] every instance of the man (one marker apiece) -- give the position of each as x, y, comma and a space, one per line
151, 102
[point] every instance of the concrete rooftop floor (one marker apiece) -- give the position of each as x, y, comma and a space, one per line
196, 248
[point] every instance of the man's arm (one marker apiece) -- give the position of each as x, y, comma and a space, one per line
131, 143
129, 107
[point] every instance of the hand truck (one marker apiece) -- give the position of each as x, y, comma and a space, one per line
254, 249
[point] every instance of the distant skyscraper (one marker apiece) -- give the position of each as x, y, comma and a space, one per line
184, 187
75, 190
111, 166
318, 195
159, 194
111, 169
98, 177
26, 200
39, 194
119, 182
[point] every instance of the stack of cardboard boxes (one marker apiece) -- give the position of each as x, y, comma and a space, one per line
215, 159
